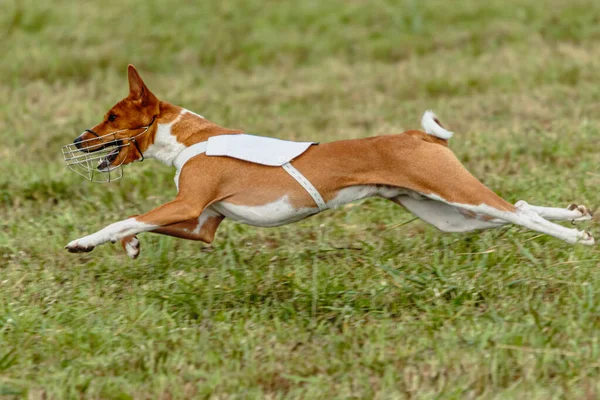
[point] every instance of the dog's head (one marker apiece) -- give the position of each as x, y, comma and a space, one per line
126, 130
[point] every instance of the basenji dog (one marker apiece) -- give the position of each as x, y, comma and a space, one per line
252, 184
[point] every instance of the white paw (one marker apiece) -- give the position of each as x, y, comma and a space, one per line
586, 238
583, 211
521, 205
132, 248
82, 245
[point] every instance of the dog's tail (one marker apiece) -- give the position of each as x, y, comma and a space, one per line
432, 126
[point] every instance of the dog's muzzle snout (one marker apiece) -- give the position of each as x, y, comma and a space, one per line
93, 158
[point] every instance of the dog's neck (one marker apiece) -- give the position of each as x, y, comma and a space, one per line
177, 129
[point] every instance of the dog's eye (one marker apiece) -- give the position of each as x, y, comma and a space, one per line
112, 117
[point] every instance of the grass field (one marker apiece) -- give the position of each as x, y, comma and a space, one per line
358, 302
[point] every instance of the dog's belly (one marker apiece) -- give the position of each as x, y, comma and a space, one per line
281, 212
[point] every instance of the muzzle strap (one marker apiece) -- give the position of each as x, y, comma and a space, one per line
135, 143
137, 147
92, 132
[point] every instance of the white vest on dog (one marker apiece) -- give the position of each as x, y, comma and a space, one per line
255, 149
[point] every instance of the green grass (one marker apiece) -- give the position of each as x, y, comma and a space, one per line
348, 304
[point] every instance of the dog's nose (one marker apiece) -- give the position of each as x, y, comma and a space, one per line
77, 141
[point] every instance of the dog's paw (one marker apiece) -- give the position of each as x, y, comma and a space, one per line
584, 213
586, 238
79, 246
131, 245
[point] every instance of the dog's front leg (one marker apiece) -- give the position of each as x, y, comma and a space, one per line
170, 213
202, 228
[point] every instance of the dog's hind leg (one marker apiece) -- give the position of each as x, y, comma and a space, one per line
479, 200
441, 177
573, 212
446, 217
202, 229
522, 215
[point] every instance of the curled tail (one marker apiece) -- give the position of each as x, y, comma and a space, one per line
432, 126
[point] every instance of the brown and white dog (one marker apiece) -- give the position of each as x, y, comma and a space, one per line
414, 169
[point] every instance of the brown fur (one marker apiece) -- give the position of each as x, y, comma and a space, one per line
412, 160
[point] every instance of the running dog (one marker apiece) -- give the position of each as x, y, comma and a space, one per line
225, 173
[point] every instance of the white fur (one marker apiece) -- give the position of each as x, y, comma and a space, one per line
448, 218
206, 214
133, 247
578, 213
444, 216
359, 192
276, 213
281, 212
526, 217
165, 147
111, 233
433, 128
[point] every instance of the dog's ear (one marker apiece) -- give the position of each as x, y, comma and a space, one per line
136, 84
137, 87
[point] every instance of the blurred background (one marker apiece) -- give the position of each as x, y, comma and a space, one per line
311, 70
351, 302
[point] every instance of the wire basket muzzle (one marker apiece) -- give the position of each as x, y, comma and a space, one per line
92, 158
